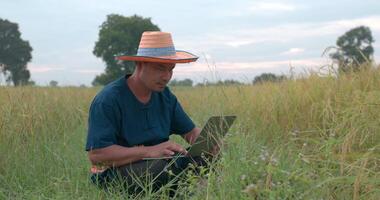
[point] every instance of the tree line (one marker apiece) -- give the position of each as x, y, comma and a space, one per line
121, 35
264, 77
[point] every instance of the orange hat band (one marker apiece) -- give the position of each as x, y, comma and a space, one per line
156, 52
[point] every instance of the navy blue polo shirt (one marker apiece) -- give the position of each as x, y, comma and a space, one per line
116, 116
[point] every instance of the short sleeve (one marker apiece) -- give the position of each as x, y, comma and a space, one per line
102, 126
180, 122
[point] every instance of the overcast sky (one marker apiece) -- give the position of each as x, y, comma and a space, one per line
235, 39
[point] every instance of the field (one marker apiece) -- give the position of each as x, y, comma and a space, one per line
311, 138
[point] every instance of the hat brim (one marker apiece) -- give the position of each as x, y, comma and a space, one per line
179, 57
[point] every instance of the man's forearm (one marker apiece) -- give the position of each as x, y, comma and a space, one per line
116, 155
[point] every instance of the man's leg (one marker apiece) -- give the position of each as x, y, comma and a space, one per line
184, 162
156, 173
135, 176
143, 174
152, 173
180, 169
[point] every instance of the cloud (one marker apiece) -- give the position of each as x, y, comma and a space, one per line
44, 68
241, 67
263, 8
280, 34
293, 51
245, 71
238, 43
271, 7
88, 71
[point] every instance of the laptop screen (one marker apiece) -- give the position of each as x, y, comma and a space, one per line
214, 130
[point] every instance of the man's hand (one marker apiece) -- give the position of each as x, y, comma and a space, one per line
168, 148
191, 136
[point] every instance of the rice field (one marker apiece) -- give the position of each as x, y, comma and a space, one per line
306, 138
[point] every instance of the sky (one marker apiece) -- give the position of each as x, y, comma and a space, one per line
237, 39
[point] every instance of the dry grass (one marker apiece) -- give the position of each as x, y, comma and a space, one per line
314, 138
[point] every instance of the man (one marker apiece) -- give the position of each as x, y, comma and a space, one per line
132, 117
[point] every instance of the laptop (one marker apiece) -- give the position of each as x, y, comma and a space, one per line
214, 130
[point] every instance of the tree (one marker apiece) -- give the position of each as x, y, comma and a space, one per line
268, 77
53, 83
31, 83
186, 82
15, 53
229, 82
119, 35
354, 49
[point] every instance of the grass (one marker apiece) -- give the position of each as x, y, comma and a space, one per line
311, 138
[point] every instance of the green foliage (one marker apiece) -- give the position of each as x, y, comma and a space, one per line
354, 49
220, 82
15, 53
229, 82
31, 83
53, 83
232, 82
186, 82
119, 35
268, 77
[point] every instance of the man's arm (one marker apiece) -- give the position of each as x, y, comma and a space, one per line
116, 155
191, 136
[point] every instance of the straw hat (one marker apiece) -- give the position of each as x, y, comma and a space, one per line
156, 46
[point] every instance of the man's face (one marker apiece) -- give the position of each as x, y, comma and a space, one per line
156, 76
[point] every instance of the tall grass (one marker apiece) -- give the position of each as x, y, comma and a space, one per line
311, 138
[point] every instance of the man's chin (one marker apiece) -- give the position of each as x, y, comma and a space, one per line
159, 89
